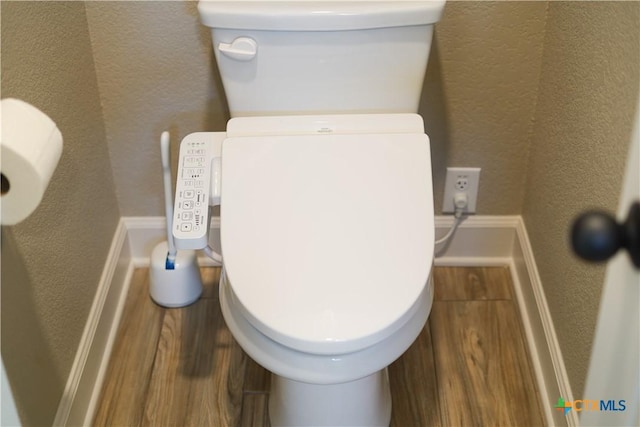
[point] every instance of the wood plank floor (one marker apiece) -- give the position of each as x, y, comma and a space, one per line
182, 367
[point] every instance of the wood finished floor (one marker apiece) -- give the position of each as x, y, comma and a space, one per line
182, 367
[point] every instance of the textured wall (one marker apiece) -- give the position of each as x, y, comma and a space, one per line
156, 71
588, 92
51, 262
480, 95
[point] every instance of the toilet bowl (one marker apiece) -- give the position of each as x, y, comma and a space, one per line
328, 390
327, 240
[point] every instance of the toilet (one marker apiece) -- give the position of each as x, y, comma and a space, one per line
326, 204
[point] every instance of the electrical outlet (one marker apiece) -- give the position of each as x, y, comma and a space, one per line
461, 181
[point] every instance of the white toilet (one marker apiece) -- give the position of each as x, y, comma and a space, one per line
327, 228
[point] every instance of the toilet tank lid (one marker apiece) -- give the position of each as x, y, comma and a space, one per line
314, 15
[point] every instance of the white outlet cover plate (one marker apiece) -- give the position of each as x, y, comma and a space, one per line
473, 177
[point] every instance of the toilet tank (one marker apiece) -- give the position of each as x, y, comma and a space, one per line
321, 57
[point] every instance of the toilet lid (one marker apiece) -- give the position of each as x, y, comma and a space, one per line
327, 240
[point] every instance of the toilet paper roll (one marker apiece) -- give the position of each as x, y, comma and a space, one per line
30, 148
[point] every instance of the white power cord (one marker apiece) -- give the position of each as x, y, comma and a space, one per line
208, 250
460, 202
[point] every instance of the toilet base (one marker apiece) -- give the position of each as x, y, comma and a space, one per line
363, 402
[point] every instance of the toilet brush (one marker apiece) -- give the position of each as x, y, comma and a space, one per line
174, 275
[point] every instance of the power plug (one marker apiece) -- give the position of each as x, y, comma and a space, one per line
460, 201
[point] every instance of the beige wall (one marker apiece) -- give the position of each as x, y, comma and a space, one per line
587, 96
155, 70
480, 96
51, 262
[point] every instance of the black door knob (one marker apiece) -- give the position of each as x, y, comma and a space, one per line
596, 236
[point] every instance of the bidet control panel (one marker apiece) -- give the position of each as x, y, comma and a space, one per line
197, 188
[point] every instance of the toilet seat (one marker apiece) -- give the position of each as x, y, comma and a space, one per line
327, 239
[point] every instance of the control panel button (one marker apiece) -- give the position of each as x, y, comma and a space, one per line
193, 162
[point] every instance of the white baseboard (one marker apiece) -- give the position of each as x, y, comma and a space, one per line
479, 241
546, 355
82, 390
146, 232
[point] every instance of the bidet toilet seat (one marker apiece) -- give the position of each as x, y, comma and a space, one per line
320, 368
327, 239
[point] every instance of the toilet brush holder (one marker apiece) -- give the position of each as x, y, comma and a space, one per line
177, 287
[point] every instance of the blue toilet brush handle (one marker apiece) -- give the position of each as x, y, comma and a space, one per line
168, 199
